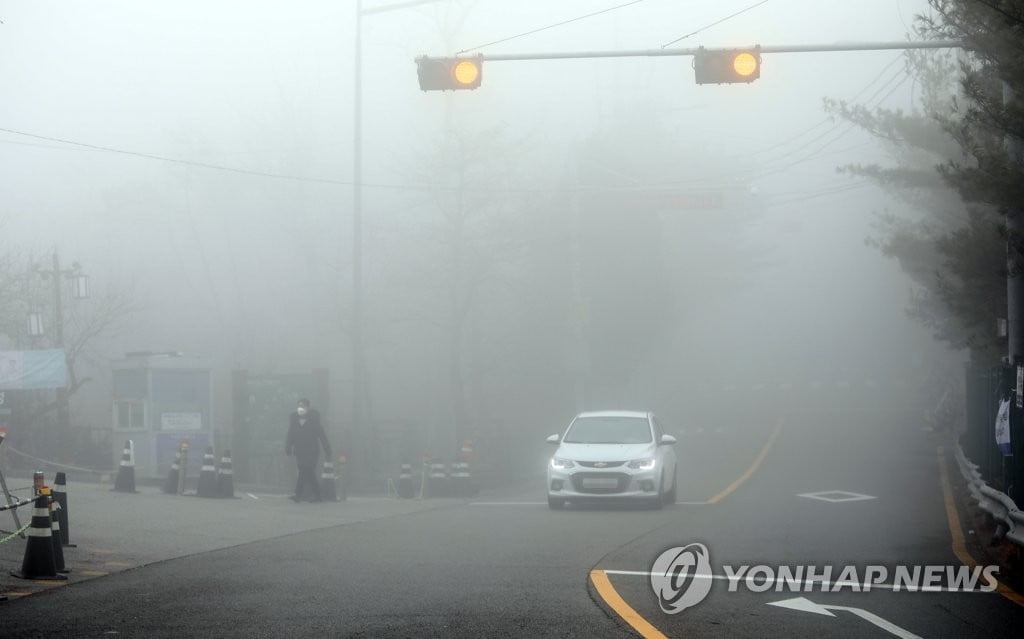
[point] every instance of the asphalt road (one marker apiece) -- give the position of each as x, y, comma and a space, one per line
505, 565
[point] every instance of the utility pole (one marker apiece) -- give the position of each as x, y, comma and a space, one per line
357, 246
80, 290
63, 411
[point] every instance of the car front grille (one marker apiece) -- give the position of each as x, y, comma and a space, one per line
601, 464
581, 484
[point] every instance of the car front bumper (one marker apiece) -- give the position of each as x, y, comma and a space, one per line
612, 484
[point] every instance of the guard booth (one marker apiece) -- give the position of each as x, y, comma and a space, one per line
159, 400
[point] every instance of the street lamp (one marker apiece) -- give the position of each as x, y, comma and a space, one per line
80, 286
357, 210
35, 325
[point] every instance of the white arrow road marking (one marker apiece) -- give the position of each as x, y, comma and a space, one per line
836, 496
806, 605
508, 503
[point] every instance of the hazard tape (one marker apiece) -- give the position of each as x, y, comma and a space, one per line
53, 463
14, 534
17, 505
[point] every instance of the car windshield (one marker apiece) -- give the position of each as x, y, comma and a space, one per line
609, 430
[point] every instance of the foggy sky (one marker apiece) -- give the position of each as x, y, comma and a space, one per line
268, 86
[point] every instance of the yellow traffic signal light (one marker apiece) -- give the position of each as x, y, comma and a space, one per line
727, 67
449, 74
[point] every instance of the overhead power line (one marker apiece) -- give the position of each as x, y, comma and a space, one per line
716, 22
161, 158
552, 26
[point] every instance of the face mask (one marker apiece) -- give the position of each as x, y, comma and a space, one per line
301, 410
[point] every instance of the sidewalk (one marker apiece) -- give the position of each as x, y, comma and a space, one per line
119, 531
977, 527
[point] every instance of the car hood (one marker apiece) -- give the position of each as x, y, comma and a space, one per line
604, 452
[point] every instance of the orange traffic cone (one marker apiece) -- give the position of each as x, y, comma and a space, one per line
39, 562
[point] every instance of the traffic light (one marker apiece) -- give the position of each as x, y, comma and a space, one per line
728, 66
449, 74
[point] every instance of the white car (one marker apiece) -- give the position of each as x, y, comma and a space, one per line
612, 455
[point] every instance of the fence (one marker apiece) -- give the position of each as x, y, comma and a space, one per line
985, 388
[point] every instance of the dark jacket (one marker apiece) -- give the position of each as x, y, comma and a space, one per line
304, 439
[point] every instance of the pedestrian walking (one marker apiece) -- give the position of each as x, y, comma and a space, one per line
305, 438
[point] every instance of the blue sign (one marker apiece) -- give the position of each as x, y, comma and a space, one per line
30, 370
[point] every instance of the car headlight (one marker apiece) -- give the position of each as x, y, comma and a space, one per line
561, 464
642, 464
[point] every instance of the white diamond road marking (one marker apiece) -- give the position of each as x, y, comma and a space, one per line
836, 496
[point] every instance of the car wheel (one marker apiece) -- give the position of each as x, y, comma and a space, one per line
555, 503
670, 496
659, 500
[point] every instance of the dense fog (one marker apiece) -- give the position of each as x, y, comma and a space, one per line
574, 234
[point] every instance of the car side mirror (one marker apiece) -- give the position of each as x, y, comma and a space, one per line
554, 439
667, 440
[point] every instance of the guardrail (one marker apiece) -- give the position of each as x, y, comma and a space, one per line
1009, 519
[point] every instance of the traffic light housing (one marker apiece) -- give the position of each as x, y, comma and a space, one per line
728, 66
449, 74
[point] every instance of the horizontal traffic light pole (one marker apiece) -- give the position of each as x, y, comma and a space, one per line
789, 48
728, 65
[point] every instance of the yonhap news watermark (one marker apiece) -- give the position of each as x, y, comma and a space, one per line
681, 577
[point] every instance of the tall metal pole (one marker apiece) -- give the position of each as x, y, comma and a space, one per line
579, 349
63, 412
358, 369
57, 301
357, 239
661, 53
1014, 469
1014, 261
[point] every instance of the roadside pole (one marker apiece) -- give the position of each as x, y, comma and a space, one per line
1014, 464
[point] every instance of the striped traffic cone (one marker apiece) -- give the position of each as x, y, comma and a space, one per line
60, 494
125, 482
226, 477
58, 547
39, 562
460, 479
404, 489
207, 476
342, 476
466, 455
171, 483
438, 482
328, 482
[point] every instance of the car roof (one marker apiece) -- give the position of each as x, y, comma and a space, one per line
615, 413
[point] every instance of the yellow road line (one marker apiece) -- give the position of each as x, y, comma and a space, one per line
611, 597
751, 470
956, 530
